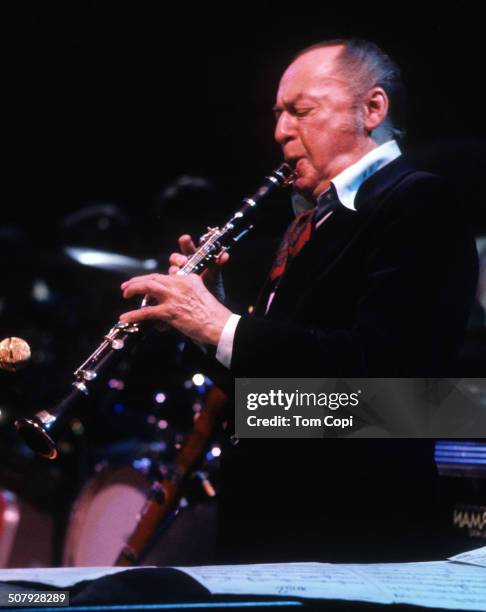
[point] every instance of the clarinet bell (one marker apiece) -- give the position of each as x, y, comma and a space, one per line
34, 432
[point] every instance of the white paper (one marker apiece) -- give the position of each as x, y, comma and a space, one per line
61, 577
314, 580
438, 584
472, 557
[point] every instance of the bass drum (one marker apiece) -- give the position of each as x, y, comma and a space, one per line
105, 514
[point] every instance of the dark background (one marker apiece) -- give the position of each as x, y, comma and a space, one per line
109, 103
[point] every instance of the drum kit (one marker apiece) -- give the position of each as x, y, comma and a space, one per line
111, 499
158, 509
105, 513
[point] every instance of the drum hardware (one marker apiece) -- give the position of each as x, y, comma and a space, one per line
108, 507
166, 494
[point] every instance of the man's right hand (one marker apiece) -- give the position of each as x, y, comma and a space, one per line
211, 276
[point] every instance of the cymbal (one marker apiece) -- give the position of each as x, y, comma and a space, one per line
112, 262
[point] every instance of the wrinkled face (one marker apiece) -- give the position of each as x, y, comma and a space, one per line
319, 124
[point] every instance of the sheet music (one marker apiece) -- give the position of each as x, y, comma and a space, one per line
436, 584
439, 584
473, 557
61, 577
313, 580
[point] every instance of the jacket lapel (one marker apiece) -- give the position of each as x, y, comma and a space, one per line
333, 239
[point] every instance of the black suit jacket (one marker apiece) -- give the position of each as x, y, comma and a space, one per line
384, 291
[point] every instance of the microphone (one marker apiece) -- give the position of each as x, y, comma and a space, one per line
14, 353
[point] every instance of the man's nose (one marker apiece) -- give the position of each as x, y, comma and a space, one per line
284, 129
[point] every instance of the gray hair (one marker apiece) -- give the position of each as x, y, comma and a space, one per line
367, 66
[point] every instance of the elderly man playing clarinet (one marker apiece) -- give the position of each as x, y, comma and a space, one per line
374, 279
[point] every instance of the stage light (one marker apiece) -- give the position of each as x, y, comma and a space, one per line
115, 383
198, 380
40, 291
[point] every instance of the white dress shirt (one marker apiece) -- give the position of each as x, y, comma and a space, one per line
346, 184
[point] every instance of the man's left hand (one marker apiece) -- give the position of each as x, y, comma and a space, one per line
183, 302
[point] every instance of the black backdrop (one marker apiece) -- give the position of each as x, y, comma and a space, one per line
109, 101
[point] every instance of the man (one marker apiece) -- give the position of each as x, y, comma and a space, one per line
383, 287
330, 114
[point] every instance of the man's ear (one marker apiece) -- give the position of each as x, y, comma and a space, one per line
375, 108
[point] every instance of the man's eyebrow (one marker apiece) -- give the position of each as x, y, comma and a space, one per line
298, 97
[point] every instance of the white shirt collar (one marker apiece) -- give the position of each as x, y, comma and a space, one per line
351, 178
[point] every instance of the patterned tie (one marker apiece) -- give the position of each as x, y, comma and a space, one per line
296, 236
300, 231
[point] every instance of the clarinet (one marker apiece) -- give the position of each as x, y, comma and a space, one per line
39, 432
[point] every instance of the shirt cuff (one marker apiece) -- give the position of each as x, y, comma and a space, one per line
224, 351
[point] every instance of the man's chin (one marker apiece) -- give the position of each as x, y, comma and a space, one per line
303, 188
